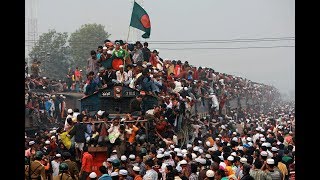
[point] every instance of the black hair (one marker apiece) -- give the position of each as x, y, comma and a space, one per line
257, 163
93, 52
149, 162
145, 44
194, 168
100, 47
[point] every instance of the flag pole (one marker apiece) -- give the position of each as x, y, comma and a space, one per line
130, 21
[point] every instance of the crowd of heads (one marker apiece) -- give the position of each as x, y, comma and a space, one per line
169, 141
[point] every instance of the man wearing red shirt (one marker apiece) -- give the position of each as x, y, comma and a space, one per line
86, 164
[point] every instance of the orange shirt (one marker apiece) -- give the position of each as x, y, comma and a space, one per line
133, 134
87, 162
138, 177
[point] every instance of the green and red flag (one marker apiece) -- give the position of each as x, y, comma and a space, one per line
140, 20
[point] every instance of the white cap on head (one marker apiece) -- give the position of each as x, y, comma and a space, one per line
228, 144
196, 148
184, 151
58, 155
269, 130
260, 135
166, 153
243, 160
233, 154
278, 143
123, 172
234, 133
172, 146
210, 173
104, 47
189, 145
263, 139
132, 156
217, 139
114, 174
123, 158
52, 137
250, 143
274, 149
262, 130
47, 142
208, 156
240, 148
121, 66
264, 144
92, 175
249, 139
268, 145
264, 153
183, 162
270, 161
202, 161
70, 111
235, 139
199, 142
114, 151
223, 126
200, 151
159, 156
31, 143
230, 158
176, 149
221, 158
208, 143
136, 168
179, 155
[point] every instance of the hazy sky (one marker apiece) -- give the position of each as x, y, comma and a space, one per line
185, 20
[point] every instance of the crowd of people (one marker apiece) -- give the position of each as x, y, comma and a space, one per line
252, 142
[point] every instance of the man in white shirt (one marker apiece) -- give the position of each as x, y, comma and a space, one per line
150, 173
122, 76
55, 165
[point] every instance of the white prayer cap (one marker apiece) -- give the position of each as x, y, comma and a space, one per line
261, 135
249, 139
166, 153
176, 149
243, 160
189, 145
123, 158
268, 145
183, 162
70, 111
114, 174
235, 139
223, 126
47, 142
250, 144
264, 153
230, 158
121, 66
58, 155
234, 133
52, 137
196, 148
270, 161
274, 149
179, 155
240, 148
184, 151
132, 156
136, 168
123, 172
161, 149
208, 156
171, 146
233, 154
200, 151
202, 161
92, 175
159, 156
210, 173
263, 139
199, 142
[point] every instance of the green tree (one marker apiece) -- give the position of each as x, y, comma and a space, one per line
88, 37
52, 52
